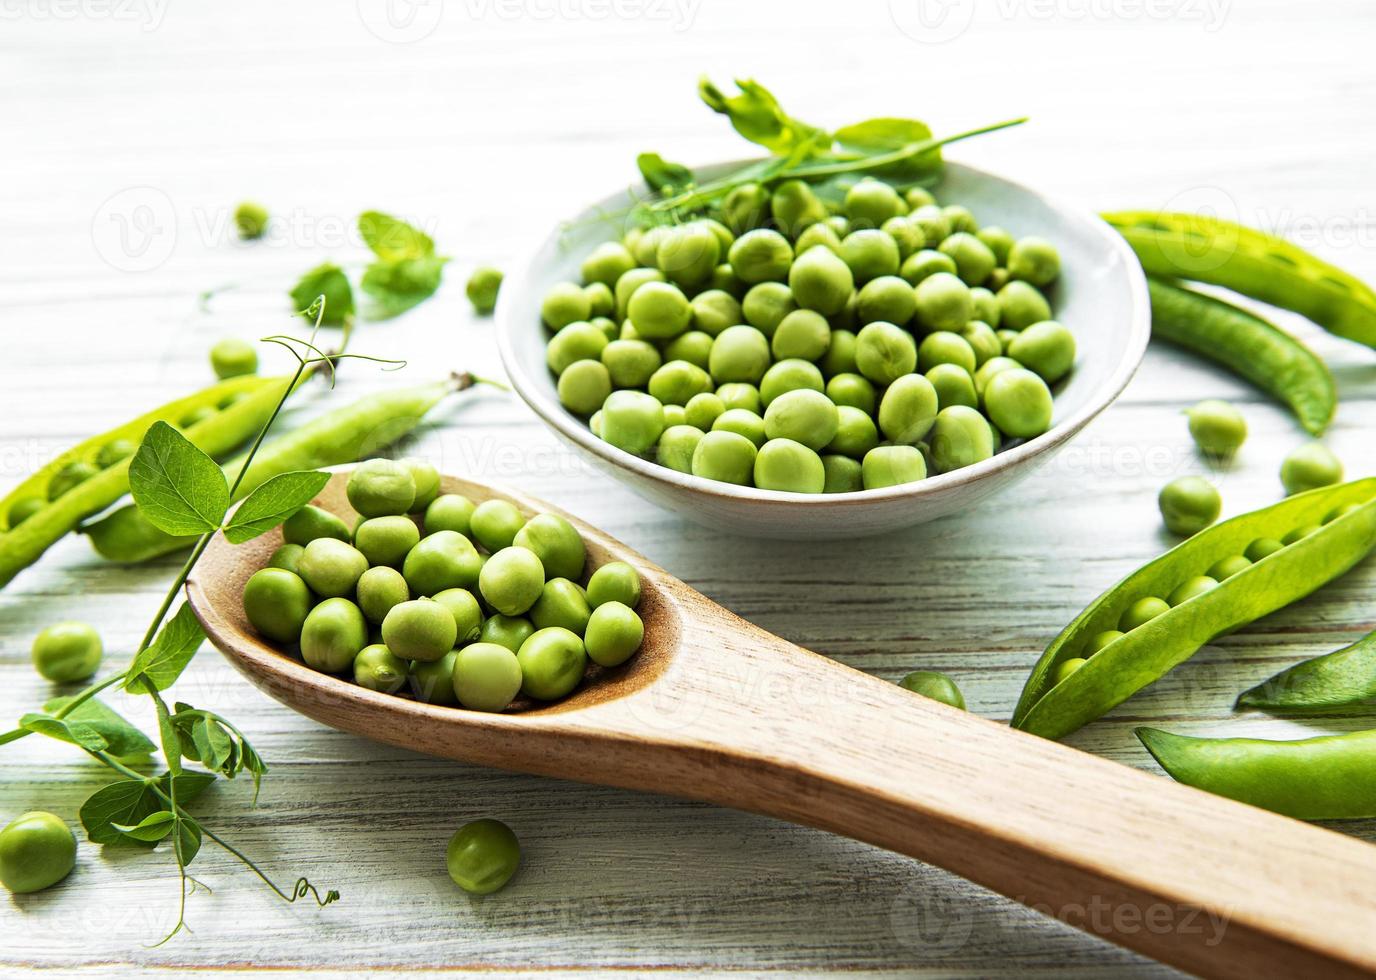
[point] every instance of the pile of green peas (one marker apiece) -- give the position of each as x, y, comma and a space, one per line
407, 601
788, 345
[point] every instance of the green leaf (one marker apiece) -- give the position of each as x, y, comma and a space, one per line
177, 486
75, 732
122, 740
398, 286
393, 240
757, 116
213, 743
171, 741
190, 785
661, 175
125, 802
327, 280
273, 502
150, 829
882, 135
167, 656
189, 839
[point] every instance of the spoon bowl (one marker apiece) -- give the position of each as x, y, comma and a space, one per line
715, 709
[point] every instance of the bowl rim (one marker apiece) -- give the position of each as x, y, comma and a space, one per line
556, 417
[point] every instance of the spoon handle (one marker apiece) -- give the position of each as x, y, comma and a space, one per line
1205, 883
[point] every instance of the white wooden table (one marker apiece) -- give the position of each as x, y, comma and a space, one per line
486, 122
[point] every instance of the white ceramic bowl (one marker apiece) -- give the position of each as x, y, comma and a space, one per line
1101, 296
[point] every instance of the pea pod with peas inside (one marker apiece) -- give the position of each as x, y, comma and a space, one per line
1336, 680
1253, 263
1332, 777
1161, 614
217, 419
342, 436
1247, 345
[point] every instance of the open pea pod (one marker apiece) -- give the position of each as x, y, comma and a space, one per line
1332, 777
1339, 679
1253, 263
1343, 523
241, 406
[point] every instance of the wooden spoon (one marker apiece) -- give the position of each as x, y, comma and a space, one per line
716, 709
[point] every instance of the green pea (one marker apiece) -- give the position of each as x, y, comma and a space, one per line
855, 434
1261, 548
888, 298
310, 523
840, 355
419, 629
433, 682
793, 374
379, 590
819, 234
991, 367
1019, 403
885, 352
959, 218
917, 197
69, 478
676, 447
332, 568
804, 334
702, 410
378, 669
1310, 466
725, 456
740, 354
24, 509
802, 415
688, 253
1021, 305
739, 394
1341, 511
630, 363
870, 253
694, 346
482, 288
614, 633
659, 311
288, 556
386, 540
615, 581
468, 615
332, 636
584, 386
944, 347
251, 220
998, 241
552, 663
506, 631
762, 255
37, 850
565, 303
66, 652
1034, 260
986, 306
933, 224
1065, 668
960, 436
908, 409
789, 466
1298, 533
381, 487
954, 386
556, 543
449, 512
943, 302
487, 676
871, 202
935, 685
482, 856
891, 466
1047, 348
821, 281
196, 416
1006, 338
511, 580
607, 263
632, 420
794, 207
923, 264
974, 260
854, 390
1142, 611
714, 310
766, 305
1189, 504
1190, 588
743, 423
843, 474
746, 206
578, 341
561, 603
276, 603
426, 479
982, 340
1100, 640
678, 381
1228, 567
628, 285
442, 560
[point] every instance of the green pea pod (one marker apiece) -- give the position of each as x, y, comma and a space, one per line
1144, 654
1248, 346
1253, 263
243, 405
1332, 777
1336, 680
342, 436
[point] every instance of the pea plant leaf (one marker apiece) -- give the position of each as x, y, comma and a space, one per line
176, 485
396, 287
129, 802
330, 281
392, 239
273, 502
661, 175
757, 116
150, 829
882, 134
92, 725
158, 666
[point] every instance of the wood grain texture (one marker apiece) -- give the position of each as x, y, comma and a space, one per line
487, 131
